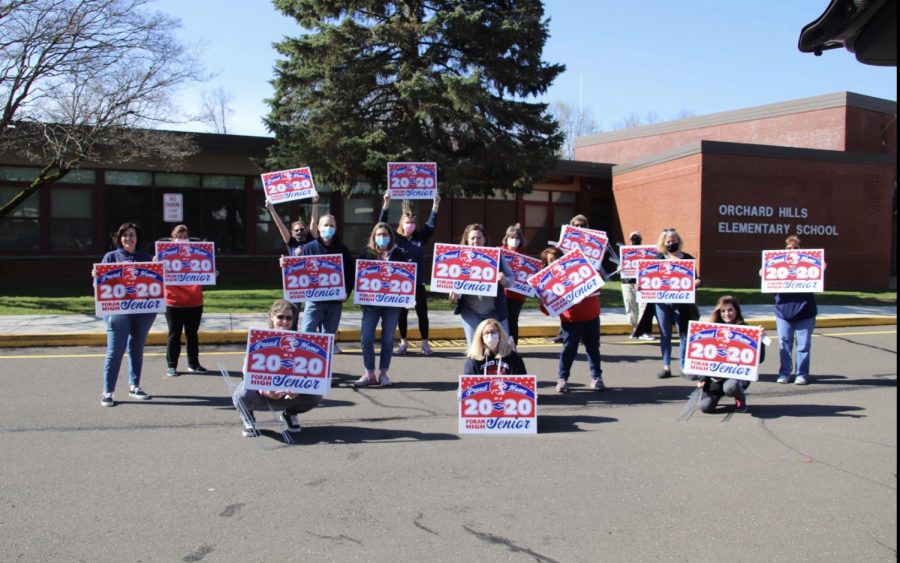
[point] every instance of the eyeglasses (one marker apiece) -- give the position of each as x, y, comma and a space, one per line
284, 317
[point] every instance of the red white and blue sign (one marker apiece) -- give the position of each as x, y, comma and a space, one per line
412, 180
129, 288
591, 242
284, 360
289, 185
465, 270
793, 271
188, 263
381, 283
630, 254
523, 267
566, 282
723, 350
498, 404
313, 278
666, 281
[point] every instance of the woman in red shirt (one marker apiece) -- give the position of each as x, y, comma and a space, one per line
184, 308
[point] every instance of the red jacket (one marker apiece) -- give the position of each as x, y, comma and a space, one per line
587, 310
184, 295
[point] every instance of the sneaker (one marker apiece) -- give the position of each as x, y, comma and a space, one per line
562, 386
800, 380
402, 348
337, 349
557, 340
106, 400
597, 384
740, 406
664, 374
197, 369
138, 393
171, 372
426, 348
292, 421
249, 431
384, 380
645, 336
367, 379
783, 379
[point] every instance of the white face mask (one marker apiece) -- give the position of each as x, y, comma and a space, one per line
491, 340
512, 242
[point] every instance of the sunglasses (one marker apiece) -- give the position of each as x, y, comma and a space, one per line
284, 317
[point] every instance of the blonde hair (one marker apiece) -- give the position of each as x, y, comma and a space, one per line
661, 243
180, 229
516, 231
477, 349
579, 219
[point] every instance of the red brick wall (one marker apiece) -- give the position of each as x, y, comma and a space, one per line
871, 131
855, 198
819, 129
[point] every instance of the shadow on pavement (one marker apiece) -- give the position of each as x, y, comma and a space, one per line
553, 424
356, 435
769, 412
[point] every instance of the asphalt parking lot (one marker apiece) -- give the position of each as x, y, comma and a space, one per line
809, 474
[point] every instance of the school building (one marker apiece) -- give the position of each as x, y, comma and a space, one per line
733, 183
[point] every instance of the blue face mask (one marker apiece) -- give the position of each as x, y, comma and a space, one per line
382, 242
327, 232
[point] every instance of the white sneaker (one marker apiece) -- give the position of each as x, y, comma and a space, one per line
562, 386
402, 348
367, 379
426, 348
384, 380
645, 336
337, 349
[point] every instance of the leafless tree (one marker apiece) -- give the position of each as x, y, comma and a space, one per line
84, 80
573, 123
215, 109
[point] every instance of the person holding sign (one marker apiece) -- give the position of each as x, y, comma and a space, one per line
476, 308
380, 247
491, 352
282, 315
712, 389
413, 241
298, 235
578, 324
125, 331
184, 309
325, 316
633, 310
669, 247
514, 241
795, 314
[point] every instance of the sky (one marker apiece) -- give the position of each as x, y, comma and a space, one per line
666, 57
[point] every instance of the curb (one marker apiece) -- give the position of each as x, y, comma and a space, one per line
353, 335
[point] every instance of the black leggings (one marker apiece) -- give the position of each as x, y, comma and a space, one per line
421, 312
187, 318
515, 307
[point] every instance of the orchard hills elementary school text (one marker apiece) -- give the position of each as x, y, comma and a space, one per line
733, 183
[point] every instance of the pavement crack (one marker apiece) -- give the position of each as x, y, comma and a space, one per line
422, 527
231, 510
340, 539
497, 540
198, 554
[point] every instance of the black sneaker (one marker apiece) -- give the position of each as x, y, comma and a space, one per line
664, 374
197, 369
138, 393
292, 421
106, 400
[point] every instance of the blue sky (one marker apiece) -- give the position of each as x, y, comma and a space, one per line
660, 56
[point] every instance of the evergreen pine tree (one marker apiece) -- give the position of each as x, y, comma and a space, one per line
447, 81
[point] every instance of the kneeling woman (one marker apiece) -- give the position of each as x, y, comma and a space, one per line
282, 315
491, 352
712, 389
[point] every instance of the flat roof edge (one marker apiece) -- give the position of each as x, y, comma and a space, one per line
827, 101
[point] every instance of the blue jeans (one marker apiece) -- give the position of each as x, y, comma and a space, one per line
666, 315
786, 331
471, 320
322, 316
370, 317
125, 331
574, 334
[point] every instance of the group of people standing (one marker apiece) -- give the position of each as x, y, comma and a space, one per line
490, 323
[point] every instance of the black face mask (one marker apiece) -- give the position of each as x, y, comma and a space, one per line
672, 247
636, 241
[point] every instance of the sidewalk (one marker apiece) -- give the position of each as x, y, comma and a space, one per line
227, 328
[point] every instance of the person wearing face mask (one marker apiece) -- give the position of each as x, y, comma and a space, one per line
712, 389
514, 241
473, 309
380, 247
491, 353
580, 324
325, 316
282, 315
669, 247
413, 241
298, 235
